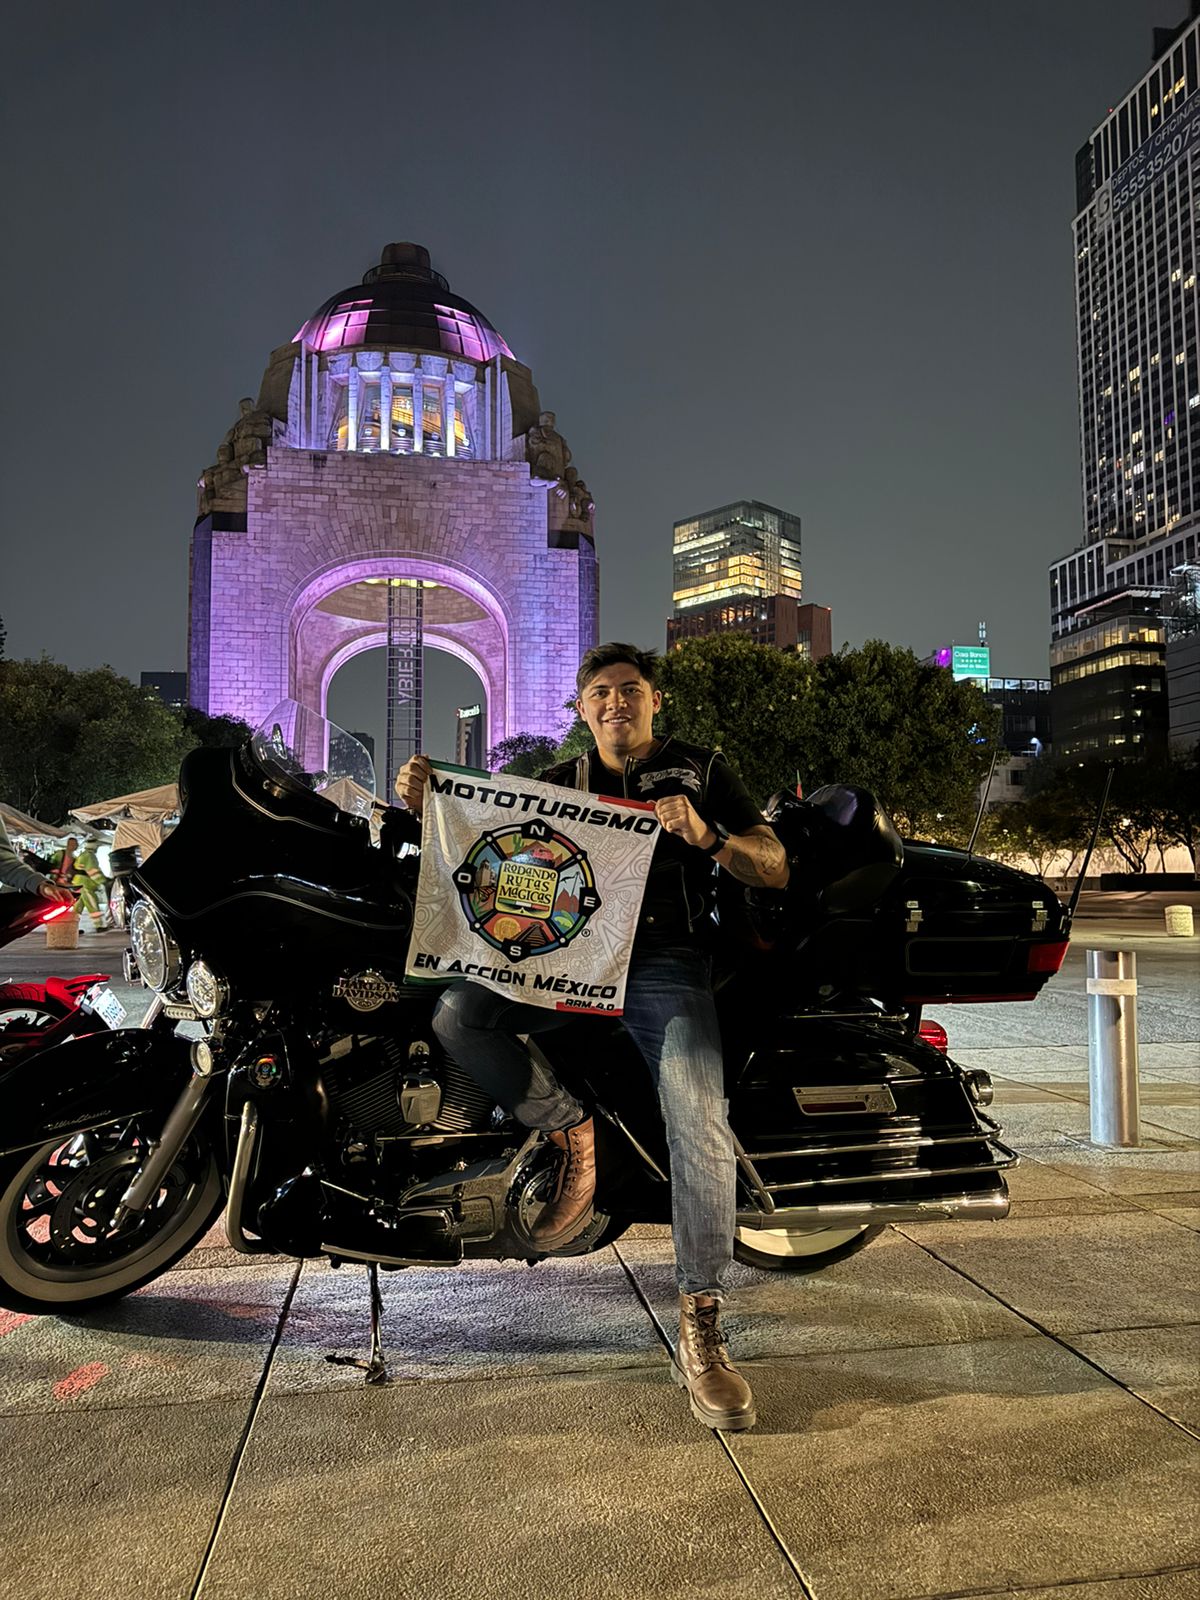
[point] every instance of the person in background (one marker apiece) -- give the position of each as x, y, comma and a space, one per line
15, 875
86, 879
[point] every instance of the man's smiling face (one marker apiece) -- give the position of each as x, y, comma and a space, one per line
618, 705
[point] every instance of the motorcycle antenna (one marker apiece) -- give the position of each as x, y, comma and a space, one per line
987, 789
1087, 855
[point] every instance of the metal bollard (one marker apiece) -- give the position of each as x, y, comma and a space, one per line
1113, 1046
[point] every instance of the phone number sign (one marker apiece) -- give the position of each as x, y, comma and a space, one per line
1158, 155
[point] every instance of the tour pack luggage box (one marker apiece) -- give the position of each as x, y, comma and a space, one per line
954, 927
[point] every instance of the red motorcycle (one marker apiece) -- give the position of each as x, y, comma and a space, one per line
34, 1016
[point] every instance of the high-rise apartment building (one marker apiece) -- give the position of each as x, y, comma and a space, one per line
737, 569
1139, 407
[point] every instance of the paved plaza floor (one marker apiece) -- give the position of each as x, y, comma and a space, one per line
960, 1410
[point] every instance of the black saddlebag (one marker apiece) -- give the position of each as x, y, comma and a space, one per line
853, 1120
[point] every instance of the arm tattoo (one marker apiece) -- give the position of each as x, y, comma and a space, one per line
755, 859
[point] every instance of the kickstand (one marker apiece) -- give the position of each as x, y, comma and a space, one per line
376, 1367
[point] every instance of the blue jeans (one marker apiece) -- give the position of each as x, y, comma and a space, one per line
670, 1015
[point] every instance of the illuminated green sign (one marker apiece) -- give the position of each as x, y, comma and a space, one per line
971, 661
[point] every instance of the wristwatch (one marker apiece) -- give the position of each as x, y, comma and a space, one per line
718, 843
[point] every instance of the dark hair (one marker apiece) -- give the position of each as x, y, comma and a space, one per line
610, 655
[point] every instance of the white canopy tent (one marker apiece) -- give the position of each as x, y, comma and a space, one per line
141, 819
21, 824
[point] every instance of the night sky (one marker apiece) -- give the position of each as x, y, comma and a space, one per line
812, 254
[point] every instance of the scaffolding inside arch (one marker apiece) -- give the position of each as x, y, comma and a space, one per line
405, 673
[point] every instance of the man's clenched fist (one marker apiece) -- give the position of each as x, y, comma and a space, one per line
410, 783
677, 815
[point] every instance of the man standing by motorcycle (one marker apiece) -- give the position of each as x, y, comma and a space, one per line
706, 816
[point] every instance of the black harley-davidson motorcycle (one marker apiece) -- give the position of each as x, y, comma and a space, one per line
286, 1074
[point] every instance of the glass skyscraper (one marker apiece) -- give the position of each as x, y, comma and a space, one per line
737, 570
741, 551
1139, 407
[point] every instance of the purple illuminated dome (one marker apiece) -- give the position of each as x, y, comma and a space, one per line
403, 304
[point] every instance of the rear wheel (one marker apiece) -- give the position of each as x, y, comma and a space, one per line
59, 1250
793, 1250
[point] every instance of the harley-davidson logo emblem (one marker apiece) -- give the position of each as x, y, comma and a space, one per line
366, 991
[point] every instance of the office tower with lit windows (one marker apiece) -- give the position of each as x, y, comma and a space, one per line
1139, 408
737, 569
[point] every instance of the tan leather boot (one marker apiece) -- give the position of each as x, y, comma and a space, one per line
570, 1207
720, 1397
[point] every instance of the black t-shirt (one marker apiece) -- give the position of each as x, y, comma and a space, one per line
680, 886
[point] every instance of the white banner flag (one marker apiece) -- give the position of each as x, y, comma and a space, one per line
529, 888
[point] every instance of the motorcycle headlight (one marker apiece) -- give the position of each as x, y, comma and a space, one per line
116, 903
156, 951
206, 989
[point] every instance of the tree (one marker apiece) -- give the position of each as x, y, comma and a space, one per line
919, 740
68, 737
213, 733
755, 703
523, 755
1153, 803
3, 638
1036, 830
1172, 784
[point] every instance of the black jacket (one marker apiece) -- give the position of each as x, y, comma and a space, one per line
680, 887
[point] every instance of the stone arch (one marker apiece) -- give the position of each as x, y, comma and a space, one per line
378, 641
319, 642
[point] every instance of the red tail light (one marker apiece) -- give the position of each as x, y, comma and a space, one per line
55, 911
1046, 957
933, 1033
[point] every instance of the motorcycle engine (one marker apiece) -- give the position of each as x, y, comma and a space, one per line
389, 1086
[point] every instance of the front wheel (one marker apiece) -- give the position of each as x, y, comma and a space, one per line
58, 1249
26, 1011
794, 1250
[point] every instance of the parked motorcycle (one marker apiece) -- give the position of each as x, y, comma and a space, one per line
35, 1016
318, 1110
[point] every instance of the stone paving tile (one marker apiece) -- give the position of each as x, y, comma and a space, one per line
1185, 1216
113, 1502
1049, 1123
485, 1319
1166, 1012
530, 1489
1183, 1585
1160, 1364
1070, 1060
214, 1250
890, 1293
1157, 1094
1076, 1206
1155, 1113
188, 1336
1011, 1092
1035, 1180
1126, 1172
965, 1468
1120, 1269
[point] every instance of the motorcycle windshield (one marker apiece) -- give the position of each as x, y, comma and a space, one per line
297, 748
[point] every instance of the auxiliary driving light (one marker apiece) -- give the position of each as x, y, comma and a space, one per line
207, 991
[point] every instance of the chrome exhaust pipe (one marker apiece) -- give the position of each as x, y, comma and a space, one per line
868, 1213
